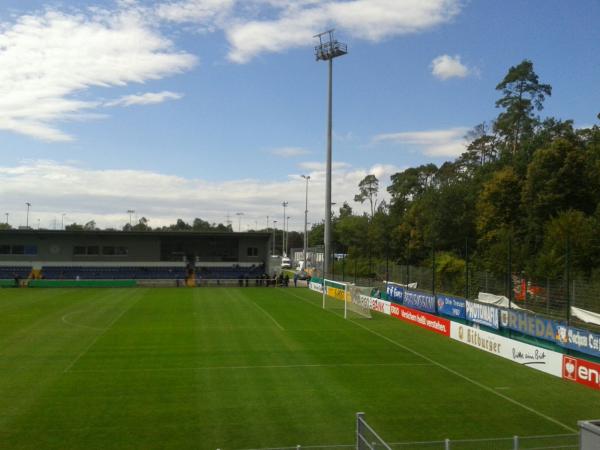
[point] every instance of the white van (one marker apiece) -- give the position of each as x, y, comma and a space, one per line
286, 263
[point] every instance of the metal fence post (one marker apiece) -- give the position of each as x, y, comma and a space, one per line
433, 270
547, 295
568, 279
466, 268
515, 442
447, 444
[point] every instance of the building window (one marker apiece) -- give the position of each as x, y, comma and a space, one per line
252, 251
121, 251
93, 250
79, 250
109, 251
18, 249
4, 249
31, 250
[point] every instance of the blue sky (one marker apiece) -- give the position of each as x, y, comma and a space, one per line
204, 108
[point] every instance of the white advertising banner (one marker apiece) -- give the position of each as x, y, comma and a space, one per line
315, 286
528, 355
372, 303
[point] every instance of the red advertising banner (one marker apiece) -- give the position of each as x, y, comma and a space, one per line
421, 319
581, 371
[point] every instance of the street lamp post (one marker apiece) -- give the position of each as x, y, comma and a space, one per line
239, 214
130, 211
274, 235
287, 235
6, 218
27, 220
62, 221
284, 204
306, 177
327, 50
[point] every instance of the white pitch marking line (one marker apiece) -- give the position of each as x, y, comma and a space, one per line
99, 335
458, 374
275, 366
64, 320
268, 315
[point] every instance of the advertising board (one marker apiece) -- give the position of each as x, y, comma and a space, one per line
372, 303
581, 371
451, 306
314, 286
537, 358
529, 324
395, 292
334, 292
572, 338
576, 339
421, 319
419, 300
482, 314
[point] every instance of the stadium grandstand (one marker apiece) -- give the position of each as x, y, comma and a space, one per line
116, 255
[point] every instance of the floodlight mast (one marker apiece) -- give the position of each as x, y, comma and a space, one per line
327, 50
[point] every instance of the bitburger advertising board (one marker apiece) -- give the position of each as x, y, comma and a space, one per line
537, 358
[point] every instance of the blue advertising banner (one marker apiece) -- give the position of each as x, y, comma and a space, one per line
451, 306
583, 341
487, 315
529, 324
419, 300
576, 339
395, 292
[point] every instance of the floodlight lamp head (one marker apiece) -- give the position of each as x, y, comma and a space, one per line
327, 50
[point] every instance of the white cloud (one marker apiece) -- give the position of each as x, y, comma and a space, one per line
198, 11
320, 166
48, 60
445, 67
149, 98
105, 195
372, 20
289, 152
437, 143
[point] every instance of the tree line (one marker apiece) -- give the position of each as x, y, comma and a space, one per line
526, 190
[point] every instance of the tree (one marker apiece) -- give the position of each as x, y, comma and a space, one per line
569, 228
499, 202
560, 177
5, 226
201, 225
483, 147
368, 189
345, 210
316, 234
523, 93
409, 184
142, 225
180, 225
90, 226
74, 227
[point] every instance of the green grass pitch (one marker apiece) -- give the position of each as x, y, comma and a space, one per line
239, 368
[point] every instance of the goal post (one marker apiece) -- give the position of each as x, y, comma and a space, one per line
345, 298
